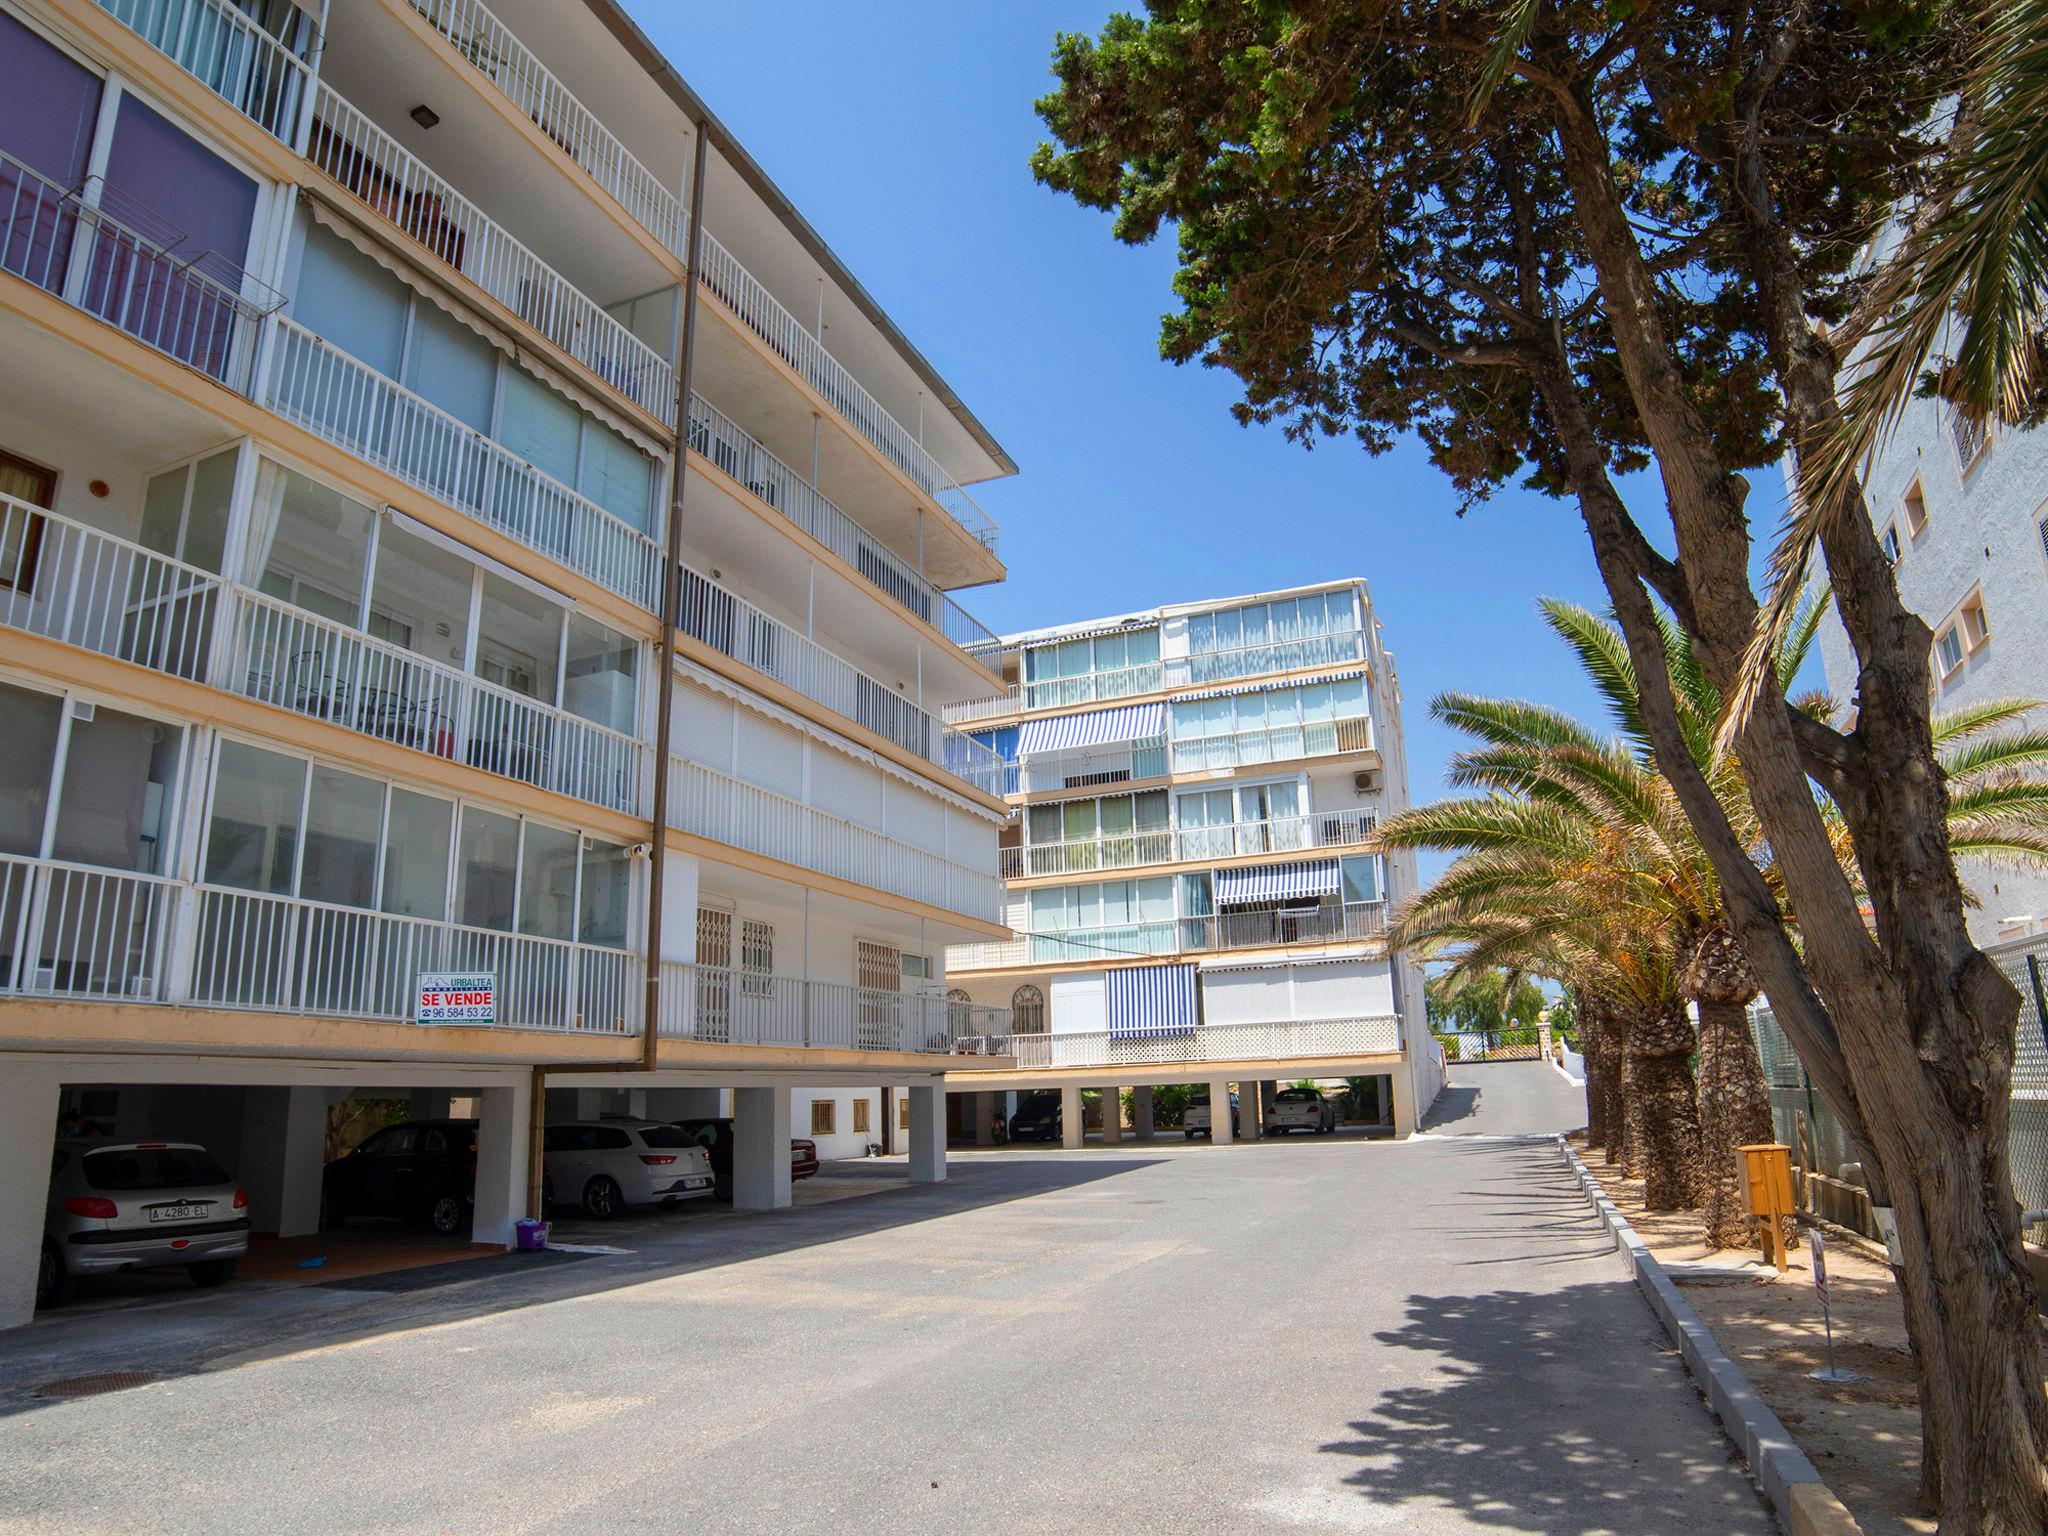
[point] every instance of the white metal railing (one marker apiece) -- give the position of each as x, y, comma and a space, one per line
728, 810
114, 258
316, 667
1323, 923
718, 438
1175, 845
332, 395
364, 158
1079, 767
65, 581
1281, 1039
510, 65
230, 54
1007, 703
1093, 687
74, 930
763, 314
280, 953
727, 1006
1274, 744
1289, 654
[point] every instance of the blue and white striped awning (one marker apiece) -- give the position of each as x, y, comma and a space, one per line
1144, 1002
1130, 722
1271, 687
1263, 883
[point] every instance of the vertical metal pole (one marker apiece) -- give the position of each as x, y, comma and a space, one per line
671, 592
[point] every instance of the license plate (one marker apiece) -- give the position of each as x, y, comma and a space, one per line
696, 1183
177, 1212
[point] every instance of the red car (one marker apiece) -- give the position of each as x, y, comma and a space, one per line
803, 1158
715, 1136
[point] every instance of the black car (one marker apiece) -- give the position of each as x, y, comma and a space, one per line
1038, 1118
715, 1135
419, 1170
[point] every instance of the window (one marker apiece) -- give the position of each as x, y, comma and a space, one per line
917, 967
252, 841
1276, 636
1916, 510
1975, 627
29, 722
416, 855
903, 1113
486, 869
1361, 873
1948, 650
860, 1117
824, 1116
113, 806
607, 888
185, 510
1970, 436
21, 531
344, 817
1027, 1010
600, 674
1091, 667
757, 956
1890, 541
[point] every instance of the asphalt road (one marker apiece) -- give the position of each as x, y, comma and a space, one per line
1304, 1335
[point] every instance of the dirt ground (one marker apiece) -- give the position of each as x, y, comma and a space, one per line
1864, 1436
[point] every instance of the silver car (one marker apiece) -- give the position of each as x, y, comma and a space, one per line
117, 1206
606, 1165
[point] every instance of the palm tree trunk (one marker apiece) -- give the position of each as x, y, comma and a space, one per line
1666, 1106
1600, 1046
1735, 1111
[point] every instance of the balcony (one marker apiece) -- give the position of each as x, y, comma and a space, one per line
1283, 1039
759, 310
722, 1006
108, 255
1182, 845
76, 931
335, 397
257, 74
1294, 654
717, 438
1326, 923
728, 810
1276, 744
394, 182
733, 626
67, 582
490, 47
1086, 767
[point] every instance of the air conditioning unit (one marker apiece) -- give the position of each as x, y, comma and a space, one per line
1365, 783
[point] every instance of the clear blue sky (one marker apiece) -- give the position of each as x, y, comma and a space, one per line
903, 131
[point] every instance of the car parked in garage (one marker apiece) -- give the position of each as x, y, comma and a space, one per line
417, 1170
605, 1166
715, 1135
1194, 1121
139, 1205
1301, 1109
1038, 1118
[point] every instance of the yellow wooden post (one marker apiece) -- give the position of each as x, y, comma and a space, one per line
1767, 1170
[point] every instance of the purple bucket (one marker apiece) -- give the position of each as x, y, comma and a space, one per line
530, 1236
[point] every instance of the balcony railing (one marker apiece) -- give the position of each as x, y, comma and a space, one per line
370, 163
1178, 845
714, 435
279, 953
483, 40
333, 396
112, 257
1282, 1039
1275, 744
290, 658
237, 60
730, 624
728, 810
1292, 654
1082, 767
724, 1006
1329, 922
762, 313
73, 930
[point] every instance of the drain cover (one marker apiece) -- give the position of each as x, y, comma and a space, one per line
93, 1386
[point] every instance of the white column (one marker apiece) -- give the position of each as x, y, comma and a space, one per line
928, 1134
760, 1150
1404, 1097
504, 1125
983, 1107
1112, 1114
1072, 1132
284, 1150
1141, 1113
28, 1123
1219, 1114
1248, 1111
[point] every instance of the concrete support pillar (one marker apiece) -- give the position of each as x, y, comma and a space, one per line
28, 1123
1404, 1099
1112, 1113
1072, 1131
760, 1149
983, 1108
1219, 1114
284, 1150
1248, 1111
503, 1135
928, 1133
1141, 1113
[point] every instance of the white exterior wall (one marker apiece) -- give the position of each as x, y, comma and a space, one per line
1076, 1001
844, 1141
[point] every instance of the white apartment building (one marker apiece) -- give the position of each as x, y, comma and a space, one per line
360, 392
1963, 515
1192, 875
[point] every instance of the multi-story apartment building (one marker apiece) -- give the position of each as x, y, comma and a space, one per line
1193, 880
361, 397
1962, 514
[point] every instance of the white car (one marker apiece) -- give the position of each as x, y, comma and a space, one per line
1301, 1109
1194, 1121
607, 1165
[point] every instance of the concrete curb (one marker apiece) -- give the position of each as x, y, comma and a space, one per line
1790, 1481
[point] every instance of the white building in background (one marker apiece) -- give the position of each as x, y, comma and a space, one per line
1963, 515
1193, 880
